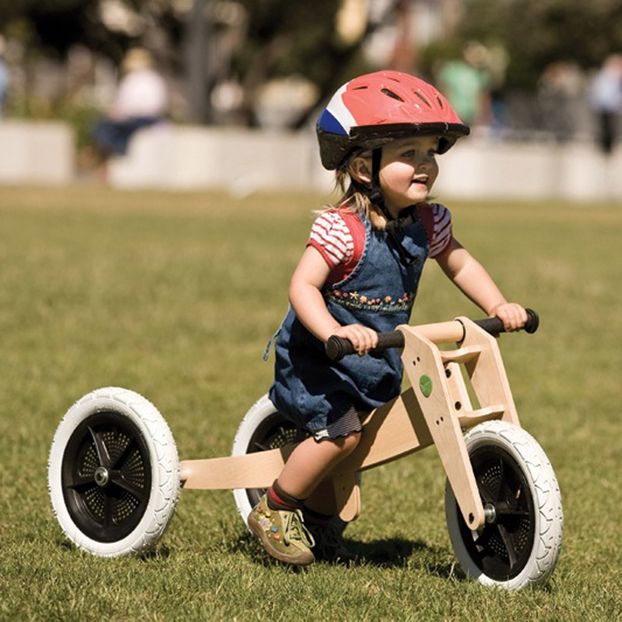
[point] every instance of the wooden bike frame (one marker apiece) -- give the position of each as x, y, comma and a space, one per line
434, 410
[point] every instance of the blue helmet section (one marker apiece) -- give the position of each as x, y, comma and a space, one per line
328, 123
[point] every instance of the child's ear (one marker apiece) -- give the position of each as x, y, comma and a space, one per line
360, 169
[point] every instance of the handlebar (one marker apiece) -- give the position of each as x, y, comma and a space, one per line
338, 347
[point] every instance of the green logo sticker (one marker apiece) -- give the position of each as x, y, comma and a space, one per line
425, 384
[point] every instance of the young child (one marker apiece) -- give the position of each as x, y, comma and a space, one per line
358, 276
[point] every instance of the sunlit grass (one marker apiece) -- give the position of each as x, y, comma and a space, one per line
176, 295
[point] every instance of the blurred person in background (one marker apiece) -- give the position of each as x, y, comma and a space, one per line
4, 78
560, 92
466, 83
605, 97
141, 100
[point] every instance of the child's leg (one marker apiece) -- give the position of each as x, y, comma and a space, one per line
323, 499
306, 472
277, 518
311, 461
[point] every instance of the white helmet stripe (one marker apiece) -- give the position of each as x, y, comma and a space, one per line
339, 110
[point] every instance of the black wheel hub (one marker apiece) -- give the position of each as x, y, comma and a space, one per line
274, 432
106, 476
101, 476
502, 547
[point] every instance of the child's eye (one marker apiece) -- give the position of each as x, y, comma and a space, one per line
408, 154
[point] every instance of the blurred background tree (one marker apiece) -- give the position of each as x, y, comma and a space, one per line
224, 58
536, 33
202, 44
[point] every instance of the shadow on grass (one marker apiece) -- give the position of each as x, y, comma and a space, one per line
397, 552
159, 552
385, 553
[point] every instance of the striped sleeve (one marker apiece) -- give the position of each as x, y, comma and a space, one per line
441, 230
332, 238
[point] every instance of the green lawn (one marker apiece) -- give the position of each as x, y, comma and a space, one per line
175, 296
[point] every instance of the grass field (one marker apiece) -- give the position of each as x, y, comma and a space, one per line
175, 296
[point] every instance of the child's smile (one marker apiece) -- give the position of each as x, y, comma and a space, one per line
421, 180
408, 171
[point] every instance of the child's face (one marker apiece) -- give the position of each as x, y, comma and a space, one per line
408, 170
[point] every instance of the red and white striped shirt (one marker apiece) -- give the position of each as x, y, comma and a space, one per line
341, 243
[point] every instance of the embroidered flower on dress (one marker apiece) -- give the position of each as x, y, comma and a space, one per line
354, 300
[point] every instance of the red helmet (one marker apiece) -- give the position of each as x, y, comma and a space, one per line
378, 107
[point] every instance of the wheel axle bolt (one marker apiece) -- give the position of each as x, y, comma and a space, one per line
490, 513
101, 476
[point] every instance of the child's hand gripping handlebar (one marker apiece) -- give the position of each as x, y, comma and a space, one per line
338, 347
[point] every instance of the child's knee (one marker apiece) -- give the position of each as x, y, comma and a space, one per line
349, 443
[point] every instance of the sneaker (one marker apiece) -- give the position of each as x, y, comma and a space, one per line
329, 543
282, 533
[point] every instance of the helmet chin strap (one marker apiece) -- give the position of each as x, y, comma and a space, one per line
393, 224
376, 196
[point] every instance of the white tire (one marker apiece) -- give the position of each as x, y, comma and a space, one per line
263, 427
113, 473
521, 543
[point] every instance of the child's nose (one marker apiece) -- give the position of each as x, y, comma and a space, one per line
425, 163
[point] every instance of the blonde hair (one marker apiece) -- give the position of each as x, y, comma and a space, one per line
355, 196
136, 59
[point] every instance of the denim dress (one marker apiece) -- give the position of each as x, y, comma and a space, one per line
321, 396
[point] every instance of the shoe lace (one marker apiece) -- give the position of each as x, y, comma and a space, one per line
294, 529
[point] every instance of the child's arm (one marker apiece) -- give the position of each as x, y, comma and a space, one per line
306, 298
471, 277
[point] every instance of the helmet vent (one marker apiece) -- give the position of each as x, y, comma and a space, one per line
440, 102
360, 88
392, 94
422, 97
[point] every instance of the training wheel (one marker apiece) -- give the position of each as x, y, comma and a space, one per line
520, 542
113, 473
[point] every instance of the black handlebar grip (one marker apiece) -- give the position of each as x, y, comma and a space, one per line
338, 347
392, 339
533, 321
494, 326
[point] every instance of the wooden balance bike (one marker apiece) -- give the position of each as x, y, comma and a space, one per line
114, 474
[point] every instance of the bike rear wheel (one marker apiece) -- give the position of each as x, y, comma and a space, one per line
113, 473
262, 428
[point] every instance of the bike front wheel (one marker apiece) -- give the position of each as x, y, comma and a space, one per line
520, 542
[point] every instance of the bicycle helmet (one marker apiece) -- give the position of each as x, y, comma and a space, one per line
379, 107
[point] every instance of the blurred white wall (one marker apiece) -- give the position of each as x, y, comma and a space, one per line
36, 152
240, 160
575, 171
243, 161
